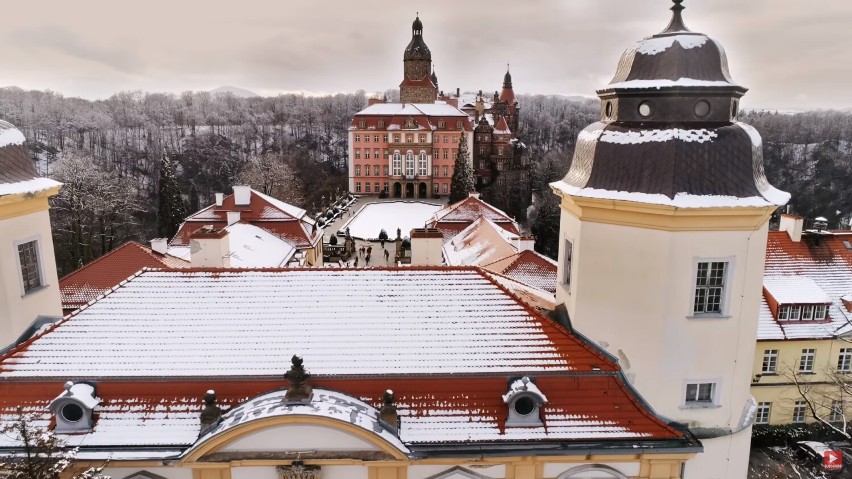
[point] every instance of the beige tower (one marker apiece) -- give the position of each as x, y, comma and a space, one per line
29, 286
663, 233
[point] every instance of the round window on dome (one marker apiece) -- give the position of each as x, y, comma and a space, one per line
608, 109
72, 412
645, 109
702, 108
524, 405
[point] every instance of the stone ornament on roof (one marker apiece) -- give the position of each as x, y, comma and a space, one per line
299, 389
298, 470
211, 415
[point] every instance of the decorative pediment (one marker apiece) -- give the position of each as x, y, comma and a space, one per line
458, 472
144, 475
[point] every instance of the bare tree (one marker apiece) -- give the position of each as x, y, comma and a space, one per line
270, 174
825, 399
42, 454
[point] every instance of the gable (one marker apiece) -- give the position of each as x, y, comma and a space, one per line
299, 437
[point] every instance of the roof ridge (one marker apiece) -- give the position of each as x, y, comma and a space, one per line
99, 258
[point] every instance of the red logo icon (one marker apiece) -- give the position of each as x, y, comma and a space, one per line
832, 461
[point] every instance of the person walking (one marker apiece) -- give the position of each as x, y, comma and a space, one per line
367, 260
387, 255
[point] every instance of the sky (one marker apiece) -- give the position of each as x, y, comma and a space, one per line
791, 54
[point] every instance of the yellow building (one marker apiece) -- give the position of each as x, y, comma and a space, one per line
29, 287
804, 352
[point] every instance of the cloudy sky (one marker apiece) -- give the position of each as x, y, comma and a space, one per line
792, 54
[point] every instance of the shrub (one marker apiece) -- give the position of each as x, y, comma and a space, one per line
383, 235
764, 435
383, 194
406, 243
333, 240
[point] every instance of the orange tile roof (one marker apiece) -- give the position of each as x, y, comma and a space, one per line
529, 268
99, 276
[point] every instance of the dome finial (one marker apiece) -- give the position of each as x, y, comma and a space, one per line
676, 25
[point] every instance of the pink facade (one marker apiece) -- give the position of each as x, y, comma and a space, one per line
407, 150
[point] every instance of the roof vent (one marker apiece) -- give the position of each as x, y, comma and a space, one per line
820, 223
74, 408
525, 401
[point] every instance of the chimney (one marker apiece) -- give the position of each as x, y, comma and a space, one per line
524, 243
220, 198
820, 223
160, 245
211, 414
388, 414
242, 195
426, 247
233, 217
209, 248
792, 224
473, 195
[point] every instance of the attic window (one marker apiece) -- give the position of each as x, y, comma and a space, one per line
525, 401
74, 408
409, 123
459, 124
441, 124
847, 245
381, 123
802, 312
362, 124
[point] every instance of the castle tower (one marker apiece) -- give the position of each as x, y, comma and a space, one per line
507, 96
662, 238
417, 85
29, 286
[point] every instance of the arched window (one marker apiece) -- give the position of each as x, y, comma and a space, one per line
422, 166
592, 470
397, 164
409, 164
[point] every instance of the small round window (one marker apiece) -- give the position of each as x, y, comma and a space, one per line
524, 405
72, 412
702, 108
645, 109
608, 109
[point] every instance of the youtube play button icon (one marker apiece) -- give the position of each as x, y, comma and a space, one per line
832, 461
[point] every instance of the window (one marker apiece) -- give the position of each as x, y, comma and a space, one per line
357, 170
446, 139
396, 138
376, 154
376, 138
836, 411
844, 361
386, 170
434, 171
806, 363
435, 188
367, 153
377, 186
409, 138
569, 256
384, 137
28, 262
441, 124
423, 164
795, 312
382, 125
770, 361
409, 164
763, 410
397, 164
386, 185
500, 150
459, 124
444, 188
783, 313
446, 171
446, 154
699, 393
422, 138
366, 170
481, 150
819, 312
366, 187
808, 312
357, 154
376, 169
366, 138
362, 124
455, 140
357, 138
357, 187
709, 286
799, 411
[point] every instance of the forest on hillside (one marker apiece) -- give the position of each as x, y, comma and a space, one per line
115, 156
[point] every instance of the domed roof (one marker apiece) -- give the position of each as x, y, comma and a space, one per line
673, 58
507, 79
669, 133
417, 49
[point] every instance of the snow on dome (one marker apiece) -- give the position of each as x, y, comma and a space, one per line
644, 136
654, 45
9, 135
663, 83
523, 385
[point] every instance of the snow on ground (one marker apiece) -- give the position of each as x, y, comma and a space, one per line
372, 218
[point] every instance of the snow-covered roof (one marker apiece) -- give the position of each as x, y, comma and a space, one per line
523, 385
412, 109
9, 135
795, 290
772, 197
32, 186
822, 265
403, 321
480, 243
528, 267
254, 247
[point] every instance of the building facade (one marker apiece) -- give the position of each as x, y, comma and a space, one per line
663, 236
29, 286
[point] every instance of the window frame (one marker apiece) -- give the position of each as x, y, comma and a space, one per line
724, 299
568, 255
770, 358
844, 360
763, 412
800, 407
712, 398
39, 264
808, 357
836, 411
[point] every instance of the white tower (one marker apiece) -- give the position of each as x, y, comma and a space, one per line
663, 232
29, 286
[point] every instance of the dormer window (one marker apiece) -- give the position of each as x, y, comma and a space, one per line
802, 312
409, 123
525, 401
74, 408
795, 298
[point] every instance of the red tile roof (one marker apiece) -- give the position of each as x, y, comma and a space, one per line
822, 258
285, 221
453, 219
529, 268
99, 276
